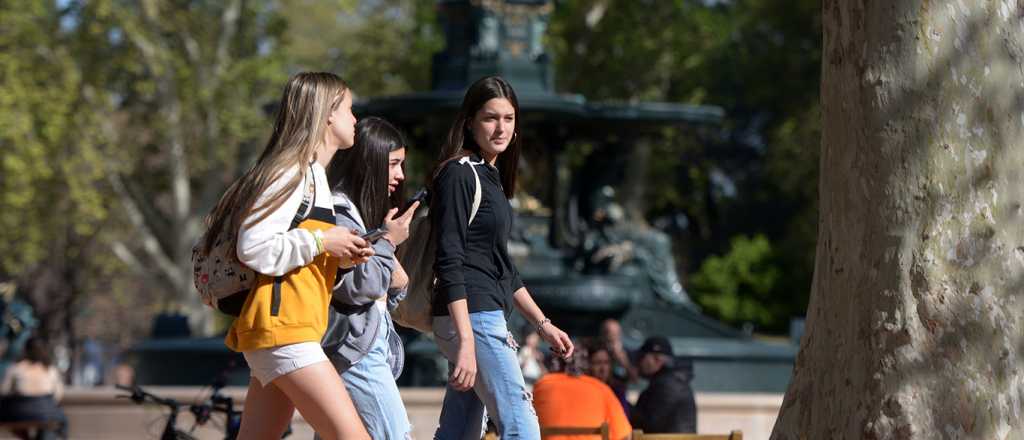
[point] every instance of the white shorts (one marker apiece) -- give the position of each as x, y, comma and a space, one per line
268, 364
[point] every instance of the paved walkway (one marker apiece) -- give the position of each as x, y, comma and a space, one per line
94, 413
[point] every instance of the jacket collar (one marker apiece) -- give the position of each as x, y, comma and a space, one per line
343, 206
477, 159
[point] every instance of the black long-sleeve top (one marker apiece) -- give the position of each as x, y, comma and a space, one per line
472, 260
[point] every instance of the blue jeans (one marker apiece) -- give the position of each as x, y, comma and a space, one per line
374, 393
499, 389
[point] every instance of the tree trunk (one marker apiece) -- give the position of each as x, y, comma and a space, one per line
915, 316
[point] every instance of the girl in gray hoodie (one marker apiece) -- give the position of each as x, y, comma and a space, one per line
361, 340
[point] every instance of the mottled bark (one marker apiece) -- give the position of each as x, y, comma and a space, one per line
914, 329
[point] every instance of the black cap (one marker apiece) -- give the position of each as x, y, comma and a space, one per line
656, 344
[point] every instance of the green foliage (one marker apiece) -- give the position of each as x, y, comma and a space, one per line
122, 122
738, 286
162, 98
758, 59
180, 73
380, 47
624, 50
51, 161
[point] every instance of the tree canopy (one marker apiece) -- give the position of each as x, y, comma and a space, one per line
759, 60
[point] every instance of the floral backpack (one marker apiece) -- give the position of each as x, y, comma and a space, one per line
222, 281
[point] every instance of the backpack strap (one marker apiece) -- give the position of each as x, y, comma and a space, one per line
477, 195
308, 199
306, 207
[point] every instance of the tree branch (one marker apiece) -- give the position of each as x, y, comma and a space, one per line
229, 24
222, 57
153, 217
131, 260
180, 187
134, 32
140, 268
146, 239
192, 51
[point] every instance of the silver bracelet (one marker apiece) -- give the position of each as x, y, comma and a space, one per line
541, 323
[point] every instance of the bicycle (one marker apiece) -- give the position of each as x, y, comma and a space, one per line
220, 403
171, 432
203, 412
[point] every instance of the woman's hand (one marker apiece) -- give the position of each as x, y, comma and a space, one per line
559, 341
464, 375
398, 228
347, 263
346, 244
399, 279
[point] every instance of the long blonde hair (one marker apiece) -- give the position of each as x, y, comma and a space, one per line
306, 103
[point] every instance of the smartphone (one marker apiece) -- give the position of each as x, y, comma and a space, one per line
374, 234
420, 196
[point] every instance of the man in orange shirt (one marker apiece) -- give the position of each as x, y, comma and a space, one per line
568, 398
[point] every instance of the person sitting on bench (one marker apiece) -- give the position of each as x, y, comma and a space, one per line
29, 393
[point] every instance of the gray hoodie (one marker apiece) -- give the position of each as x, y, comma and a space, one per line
354, 318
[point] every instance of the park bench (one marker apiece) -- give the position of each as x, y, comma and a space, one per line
573, 430
734, 435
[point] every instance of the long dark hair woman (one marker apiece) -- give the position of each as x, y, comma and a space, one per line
372, 172
361, 340
477, 282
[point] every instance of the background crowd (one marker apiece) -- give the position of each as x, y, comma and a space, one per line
593, 386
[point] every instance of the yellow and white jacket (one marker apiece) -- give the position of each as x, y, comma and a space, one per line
289, 302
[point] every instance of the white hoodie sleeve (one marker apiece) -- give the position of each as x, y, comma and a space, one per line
268, 247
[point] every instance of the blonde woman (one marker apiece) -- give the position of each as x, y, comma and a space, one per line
283, 212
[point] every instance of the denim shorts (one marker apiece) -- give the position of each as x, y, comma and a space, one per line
267, 364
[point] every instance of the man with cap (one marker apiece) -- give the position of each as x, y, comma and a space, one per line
667, 405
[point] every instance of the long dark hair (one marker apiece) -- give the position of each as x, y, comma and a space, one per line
459, 144
361, 172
